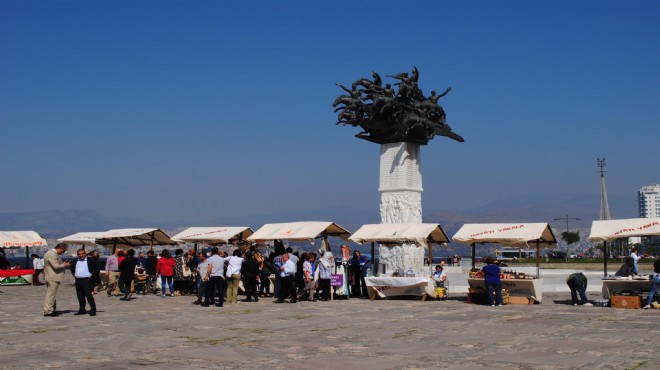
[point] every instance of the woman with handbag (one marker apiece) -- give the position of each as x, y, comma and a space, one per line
182, 274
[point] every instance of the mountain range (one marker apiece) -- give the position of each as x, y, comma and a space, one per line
537, 207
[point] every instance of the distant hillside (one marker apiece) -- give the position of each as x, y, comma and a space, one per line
56, 223
544, 207
539, 207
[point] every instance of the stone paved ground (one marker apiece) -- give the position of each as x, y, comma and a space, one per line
153, 333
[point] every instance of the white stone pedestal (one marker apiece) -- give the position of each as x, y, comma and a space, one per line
401, 202
400, 184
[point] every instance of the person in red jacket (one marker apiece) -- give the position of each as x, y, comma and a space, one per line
165, 268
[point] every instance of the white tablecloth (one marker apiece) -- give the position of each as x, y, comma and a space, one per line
399, 286
611, 286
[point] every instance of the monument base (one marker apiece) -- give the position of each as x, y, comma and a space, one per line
401, 203
400, 207
403, 259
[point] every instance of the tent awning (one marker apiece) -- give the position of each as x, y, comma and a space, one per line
213, 234
510, 234
13, 239
85, 238
605, 230
128, 238
305, 230
400, 233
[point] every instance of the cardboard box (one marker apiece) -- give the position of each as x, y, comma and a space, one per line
626, 301
519, 300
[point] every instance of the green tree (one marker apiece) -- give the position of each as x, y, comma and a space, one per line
570, 237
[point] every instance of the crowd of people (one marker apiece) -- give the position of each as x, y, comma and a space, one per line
211, 276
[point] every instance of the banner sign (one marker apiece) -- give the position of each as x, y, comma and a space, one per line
336, 279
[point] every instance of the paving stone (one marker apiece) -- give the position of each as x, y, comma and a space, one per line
153, 333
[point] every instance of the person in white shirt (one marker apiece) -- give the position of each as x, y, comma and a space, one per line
215, 279
234, 276
82, 269
38, 266
635, 258
293, 257
287, 271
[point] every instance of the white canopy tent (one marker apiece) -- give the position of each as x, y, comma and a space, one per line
18, 239
210, 235
129, 238
304, 230
213, 235
608, 230
515, 234
84, 238
420, 234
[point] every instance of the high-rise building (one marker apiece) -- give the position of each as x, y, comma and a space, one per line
648, 199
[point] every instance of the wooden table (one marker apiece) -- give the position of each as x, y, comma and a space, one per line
516, 287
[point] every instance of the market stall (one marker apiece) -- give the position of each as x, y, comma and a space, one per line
518, 234
131, 238
213, 235
85, 239
20, 239
613, 285
305, 231
609, 230
417, 283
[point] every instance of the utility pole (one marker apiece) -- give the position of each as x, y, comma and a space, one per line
604, 207
568, 218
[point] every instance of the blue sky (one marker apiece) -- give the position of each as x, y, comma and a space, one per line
186, 110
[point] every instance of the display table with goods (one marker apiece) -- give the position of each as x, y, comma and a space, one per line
614, 284
402, 270
16, 277
520, 286
392, 286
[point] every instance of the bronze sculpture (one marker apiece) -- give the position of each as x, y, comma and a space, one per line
389, 116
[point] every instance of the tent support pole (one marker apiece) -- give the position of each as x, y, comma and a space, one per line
195, 250
474, 262
27, 257
151, 242
538, 260
327, 243
430, 253
605, 259
373, 258
114, 247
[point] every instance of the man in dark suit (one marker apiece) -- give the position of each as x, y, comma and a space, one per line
83, 269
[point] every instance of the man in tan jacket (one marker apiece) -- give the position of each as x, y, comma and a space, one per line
54, 269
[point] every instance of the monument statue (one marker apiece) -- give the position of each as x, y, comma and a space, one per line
390, 116
400, 118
